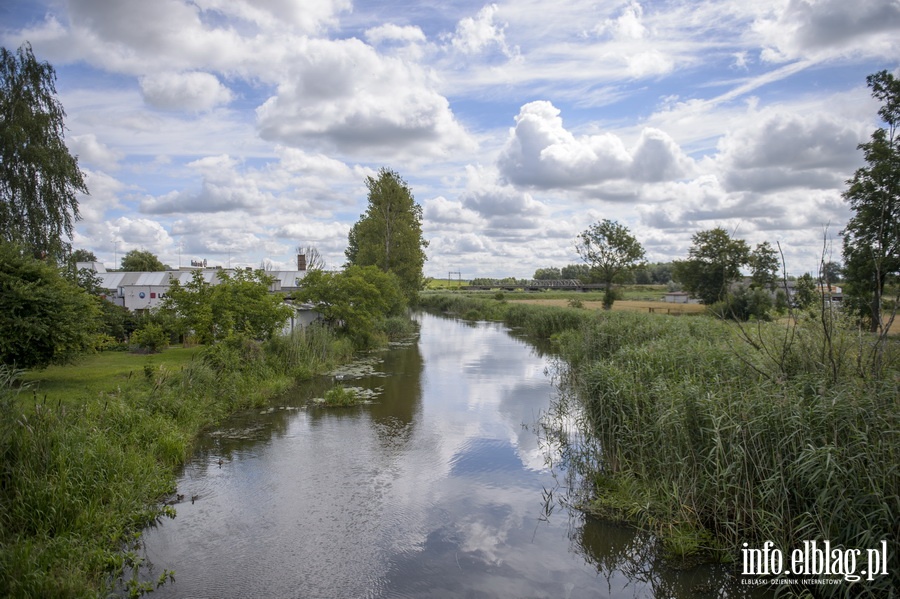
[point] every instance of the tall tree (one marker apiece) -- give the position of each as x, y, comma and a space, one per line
714, 263
389, 234
832, 272
551, 273
764, 266
582, 272
82, 255
39, 178
142, 261
610, 249
872, 235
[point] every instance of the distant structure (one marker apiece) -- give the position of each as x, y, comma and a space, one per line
142, 291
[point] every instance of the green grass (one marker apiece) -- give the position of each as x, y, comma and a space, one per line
444, 284
101, 372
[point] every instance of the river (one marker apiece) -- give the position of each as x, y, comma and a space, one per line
439, 488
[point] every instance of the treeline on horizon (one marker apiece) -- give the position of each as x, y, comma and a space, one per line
653, 273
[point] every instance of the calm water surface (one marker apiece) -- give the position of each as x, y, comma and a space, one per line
438, 489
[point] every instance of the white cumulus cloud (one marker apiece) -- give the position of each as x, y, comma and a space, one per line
540, 152
476, 34
345, 96
184, 91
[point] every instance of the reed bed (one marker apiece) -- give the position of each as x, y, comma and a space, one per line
722, 442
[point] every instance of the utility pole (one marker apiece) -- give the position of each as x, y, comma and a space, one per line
458, 277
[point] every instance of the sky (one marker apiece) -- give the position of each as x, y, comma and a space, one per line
234, 131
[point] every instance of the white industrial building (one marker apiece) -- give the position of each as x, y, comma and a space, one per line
139, 291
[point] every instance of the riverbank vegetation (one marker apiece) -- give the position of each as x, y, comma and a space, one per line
714, 434
82, 477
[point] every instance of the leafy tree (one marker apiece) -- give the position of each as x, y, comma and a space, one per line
142, 261
872, 235
764, 266
547, 274
240, 305
610, 249
662, 272
658, 273
44, 318
354, 300
832, 272
805, 291
39, 178
151, 337
745, 304
117, 322
714, 263
389, 234
581, 272
191, 306
82, 255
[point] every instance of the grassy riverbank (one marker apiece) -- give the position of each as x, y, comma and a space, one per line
714, 435
88, 451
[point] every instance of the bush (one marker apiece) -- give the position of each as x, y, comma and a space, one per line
341, 396
744, 304
399, 327
150, 338
44, 318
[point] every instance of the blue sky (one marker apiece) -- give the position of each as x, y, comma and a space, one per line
236, 130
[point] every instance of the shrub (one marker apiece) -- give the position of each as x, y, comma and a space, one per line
150, 338
341, 396
399, 327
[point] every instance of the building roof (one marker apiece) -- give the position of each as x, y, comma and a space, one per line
288, 279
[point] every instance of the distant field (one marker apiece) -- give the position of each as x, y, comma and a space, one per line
444, 284
630, 292
625, 305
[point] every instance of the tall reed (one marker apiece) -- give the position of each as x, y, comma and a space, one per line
710, 433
